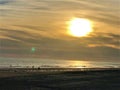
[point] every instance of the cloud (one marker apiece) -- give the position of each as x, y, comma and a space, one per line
96, 47
3, 2
41, 24
105, 39
99, 11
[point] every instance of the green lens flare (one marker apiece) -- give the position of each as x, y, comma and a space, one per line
33, 49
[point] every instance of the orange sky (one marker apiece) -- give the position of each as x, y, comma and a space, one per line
42, 24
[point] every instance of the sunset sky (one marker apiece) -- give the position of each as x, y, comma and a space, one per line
38, 29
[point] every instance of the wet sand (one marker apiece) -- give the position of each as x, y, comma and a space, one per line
60, 80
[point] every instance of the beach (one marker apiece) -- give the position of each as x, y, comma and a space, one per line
13, 79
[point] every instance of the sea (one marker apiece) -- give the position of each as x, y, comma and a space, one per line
38, 62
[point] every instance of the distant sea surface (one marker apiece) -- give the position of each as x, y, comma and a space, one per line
30, 62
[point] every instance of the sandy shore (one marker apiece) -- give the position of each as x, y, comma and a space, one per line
64, 80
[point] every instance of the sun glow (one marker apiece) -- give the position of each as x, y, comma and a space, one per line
79, 64
79, 27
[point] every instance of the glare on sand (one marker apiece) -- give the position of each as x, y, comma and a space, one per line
79, 27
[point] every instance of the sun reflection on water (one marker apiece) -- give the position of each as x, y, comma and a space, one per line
79, 64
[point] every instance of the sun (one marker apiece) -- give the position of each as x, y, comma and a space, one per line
79, 27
